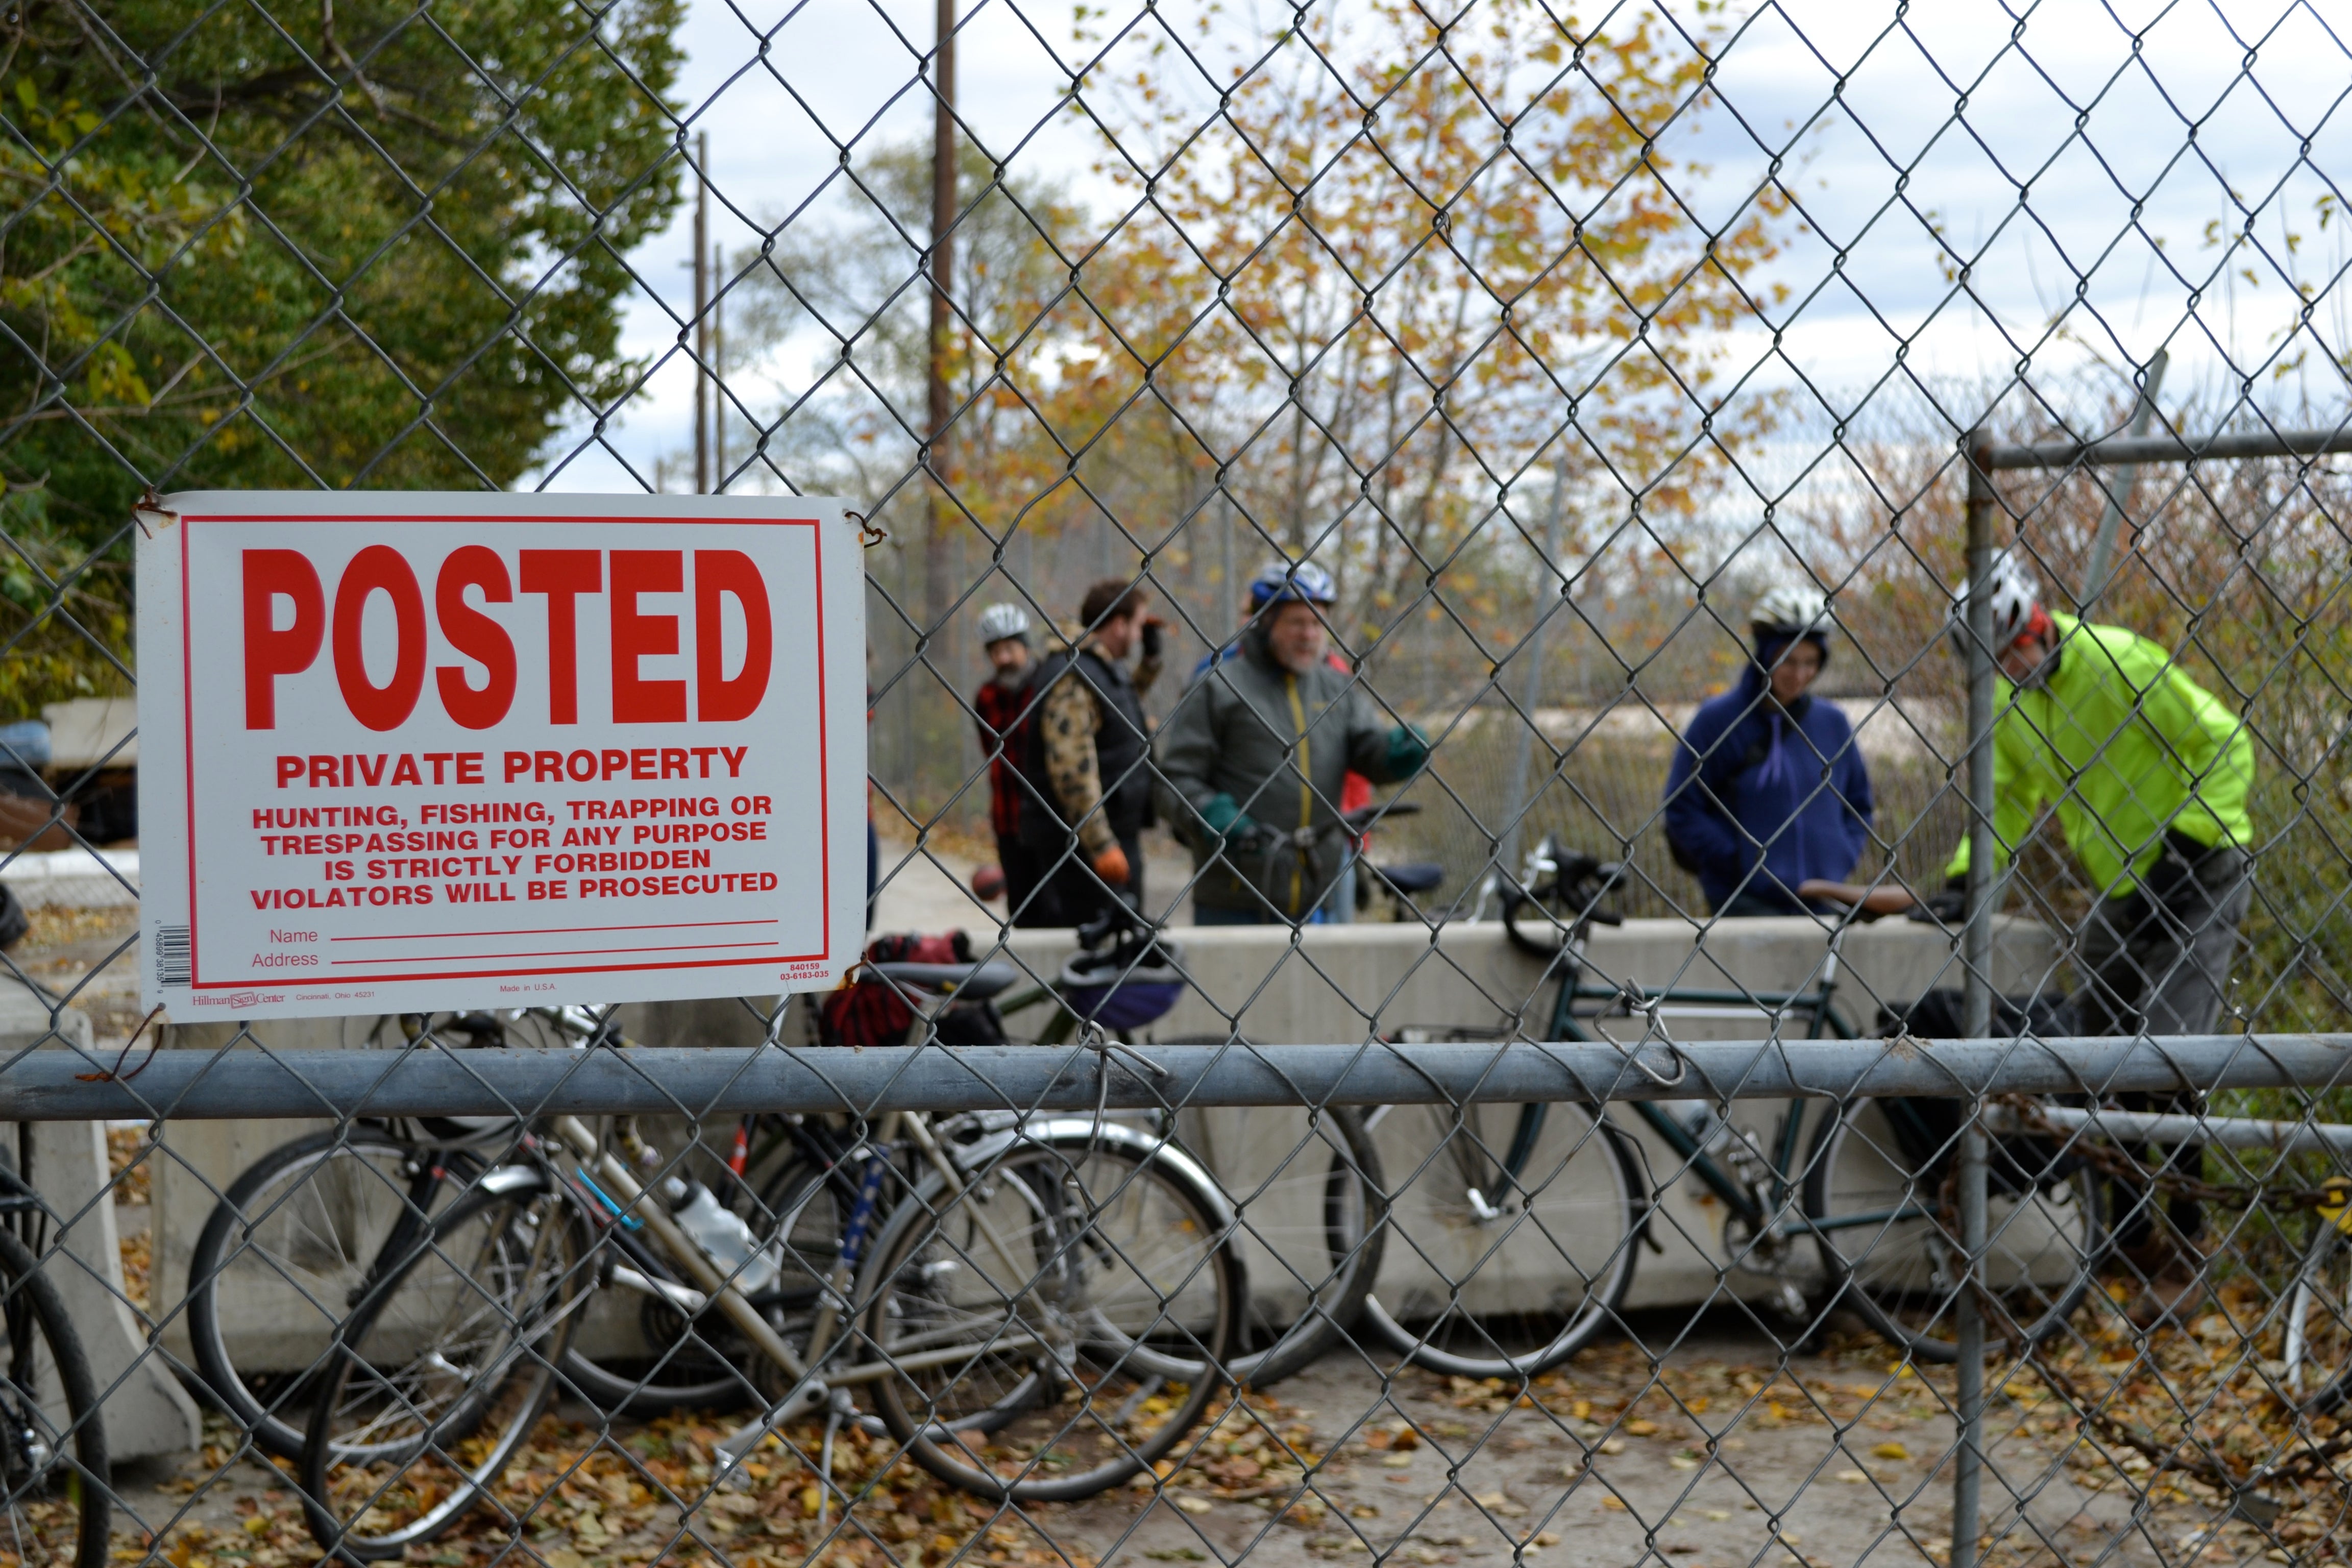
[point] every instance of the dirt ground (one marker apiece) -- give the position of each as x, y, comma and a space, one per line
1700, 1451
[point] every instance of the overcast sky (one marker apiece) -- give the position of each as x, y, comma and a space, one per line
2256, 82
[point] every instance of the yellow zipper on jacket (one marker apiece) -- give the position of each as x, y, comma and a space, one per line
1305, 787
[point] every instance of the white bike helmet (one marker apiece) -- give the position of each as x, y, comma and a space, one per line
999, 622
1792, 613
2016, 606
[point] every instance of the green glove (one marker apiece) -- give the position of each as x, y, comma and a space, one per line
1408, 751
1226, 820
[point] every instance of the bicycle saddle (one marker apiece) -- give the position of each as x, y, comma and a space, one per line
1413, 877
977, 981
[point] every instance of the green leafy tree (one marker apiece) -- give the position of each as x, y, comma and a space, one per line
279, 245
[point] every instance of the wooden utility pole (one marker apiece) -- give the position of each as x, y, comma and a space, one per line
718, 367
935, 586
701, 314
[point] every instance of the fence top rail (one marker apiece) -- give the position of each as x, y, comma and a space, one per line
72, 1084
2119, 452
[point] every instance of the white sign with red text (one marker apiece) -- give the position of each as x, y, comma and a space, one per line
418, 753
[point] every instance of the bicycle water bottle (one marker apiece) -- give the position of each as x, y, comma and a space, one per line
722, 1235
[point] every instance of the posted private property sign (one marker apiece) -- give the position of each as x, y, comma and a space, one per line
416, 753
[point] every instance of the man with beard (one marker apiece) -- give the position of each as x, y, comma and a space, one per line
1265, 737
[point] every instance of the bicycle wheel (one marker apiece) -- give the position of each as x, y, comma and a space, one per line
1880, 1204
443, 1369
1057, 1326
2318, 1350
1515, 1228
52, 1461
285, 1255
1310, 1213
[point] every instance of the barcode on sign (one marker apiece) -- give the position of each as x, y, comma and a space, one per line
172, 966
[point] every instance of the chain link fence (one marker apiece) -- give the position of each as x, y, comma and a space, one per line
1609, 780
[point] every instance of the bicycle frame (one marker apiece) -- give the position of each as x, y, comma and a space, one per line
1817, 1004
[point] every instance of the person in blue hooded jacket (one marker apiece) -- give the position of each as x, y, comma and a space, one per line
1768, 787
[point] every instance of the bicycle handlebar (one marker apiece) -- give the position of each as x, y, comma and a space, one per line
1354, 824
1571, 881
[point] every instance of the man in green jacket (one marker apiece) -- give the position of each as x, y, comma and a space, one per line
2148, 774
1252, 762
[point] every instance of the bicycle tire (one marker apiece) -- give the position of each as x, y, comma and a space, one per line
459, 1337
1902, 1276
1314, 1228
32, 1447
1148, 1295
291, 1244
2317, 1358
1576, 1210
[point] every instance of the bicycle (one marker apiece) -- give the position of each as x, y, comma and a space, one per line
2319, 1309
1039, 1311
1533, 1254
295, 1240
58, 1484
1124, 975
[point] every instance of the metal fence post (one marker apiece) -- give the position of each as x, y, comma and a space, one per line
2111, 520
1968, 1475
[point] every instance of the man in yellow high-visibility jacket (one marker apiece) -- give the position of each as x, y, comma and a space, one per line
2148, 774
